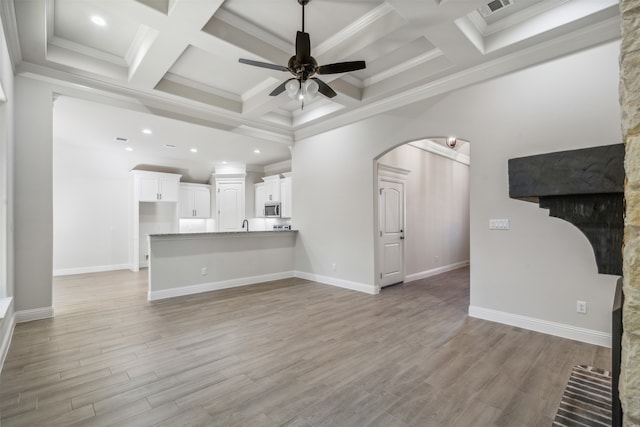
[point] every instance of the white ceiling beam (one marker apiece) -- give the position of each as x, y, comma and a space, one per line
157, 54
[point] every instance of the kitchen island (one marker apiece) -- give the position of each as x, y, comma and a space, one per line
190, 263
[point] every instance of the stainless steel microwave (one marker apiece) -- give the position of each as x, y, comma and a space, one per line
272, 210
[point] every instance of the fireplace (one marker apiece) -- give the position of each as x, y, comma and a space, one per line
586, 188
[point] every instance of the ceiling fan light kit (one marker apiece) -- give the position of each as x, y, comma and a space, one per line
304, 86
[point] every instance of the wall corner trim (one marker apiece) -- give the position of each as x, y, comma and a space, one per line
571, 332
340, 283
6, 340
33, 314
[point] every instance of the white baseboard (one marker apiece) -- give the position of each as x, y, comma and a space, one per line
6, 339
434, 271
546, 327
215, 286
33, 314
333, 281
92, 269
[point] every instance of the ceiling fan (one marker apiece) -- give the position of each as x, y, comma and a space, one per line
303, 66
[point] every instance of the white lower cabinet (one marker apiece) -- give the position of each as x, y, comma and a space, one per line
195, 201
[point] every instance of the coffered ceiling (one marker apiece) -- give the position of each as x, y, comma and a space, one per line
183, 54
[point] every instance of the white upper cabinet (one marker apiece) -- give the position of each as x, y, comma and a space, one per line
259, 199
272, 188
195, 201
286, 190
156, 186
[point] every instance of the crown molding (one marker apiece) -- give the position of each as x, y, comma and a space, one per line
400, 68
140, 100
10, 27
599, 33
354, 28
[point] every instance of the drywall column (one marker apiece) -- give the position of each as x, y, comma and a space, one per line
33, 195
630, 102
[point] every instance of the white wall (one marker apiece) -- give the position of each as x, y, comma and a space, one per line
6, 193
437, 210
540, 267
33, 225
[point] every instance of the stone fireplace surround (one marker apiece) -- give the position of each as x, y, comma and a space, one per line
630, 103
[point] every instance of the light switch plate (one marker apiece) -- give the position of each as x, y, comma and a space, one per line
498, 224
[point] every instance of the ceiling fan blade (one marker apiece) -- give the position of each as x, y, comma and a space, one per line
303, 47
281, 88
324, 88
263, 64
341, 67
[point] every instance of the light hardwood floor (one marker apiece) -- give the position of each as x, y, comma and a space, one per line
291, 353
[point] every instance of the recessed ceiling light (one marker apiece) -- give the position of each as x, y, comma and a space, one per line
194, 150
169, 145
129, 149
224, 162
147, 131
98, 20
257, 151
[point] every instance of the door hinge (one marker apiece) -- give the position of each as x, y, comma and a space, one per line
381, 275
381, 191
380, 233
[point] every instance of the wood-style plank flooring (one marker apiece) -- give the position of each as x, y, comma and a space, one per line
284, 353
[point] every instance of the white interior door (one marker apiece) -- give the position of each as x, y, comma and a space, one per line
391, 246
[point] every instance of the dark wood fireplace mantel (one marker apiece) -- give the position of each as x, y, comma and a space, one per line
584, 187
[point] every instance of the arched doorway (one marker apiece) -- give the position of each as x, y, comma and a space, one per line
421, 210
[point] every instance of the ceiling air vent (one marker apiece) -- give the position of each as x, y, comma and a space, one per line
120, 139
494, 6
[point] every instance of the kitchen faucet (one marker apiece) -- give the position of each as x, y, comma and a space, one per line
247, 222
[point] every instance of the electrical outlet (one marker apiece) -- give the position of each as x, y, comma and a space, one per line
333, 266
581, 307
204, 271
498, 224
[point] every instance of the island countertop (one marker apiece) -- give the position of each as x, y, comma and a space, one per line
190, 263
223, 233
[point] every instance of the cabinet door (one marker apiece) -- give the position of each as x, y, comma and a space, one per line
148, 189
201, 202
259, 200
168, 189
230, 202
272, 190
285, 198
186, 203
